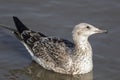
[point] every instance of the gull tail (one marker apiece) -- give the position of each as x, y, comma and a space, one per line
19, 25
8, 28
12, 30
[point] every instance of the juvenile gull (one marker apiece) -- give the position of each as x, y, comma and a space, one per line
59, 55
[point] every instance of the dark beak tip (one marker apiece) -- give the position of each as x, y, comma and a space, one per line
106, 31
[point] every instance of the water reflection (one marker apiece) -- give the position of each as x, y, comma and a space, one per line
35, 72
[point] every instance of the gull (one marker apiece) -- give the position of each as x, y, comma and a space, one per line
57, 54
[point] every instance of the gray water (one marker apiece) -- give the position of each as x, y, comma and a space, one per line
57, 18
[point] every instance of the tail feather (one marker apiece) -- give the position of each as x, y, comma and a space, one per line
13, 31
19, 25
6, 27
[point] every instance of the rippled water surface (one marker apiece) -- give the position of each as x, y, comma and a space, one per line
57, 18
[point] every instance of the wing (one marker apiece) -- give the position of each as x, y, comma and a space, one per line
48, 48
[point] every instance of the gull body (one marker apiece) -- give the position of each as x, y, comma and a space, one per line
59, 55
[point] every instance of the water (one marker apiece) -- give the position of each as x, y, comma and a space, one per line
57, 18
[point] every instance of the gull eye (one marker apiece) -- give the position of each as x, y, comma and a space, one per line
88, 27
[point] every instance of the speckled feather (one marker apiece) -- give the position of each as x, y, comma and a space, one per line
48, 48
57, 54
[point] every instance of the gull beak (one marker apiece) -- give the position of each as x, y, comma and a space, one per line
101, 31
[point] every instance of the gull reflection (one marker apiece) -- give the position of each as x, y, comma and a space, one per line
35, 72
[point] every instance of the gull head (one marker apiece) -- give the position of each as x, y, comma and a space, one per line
85, 29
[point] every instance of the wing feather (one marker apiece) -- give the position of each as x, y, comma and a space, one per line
48, 48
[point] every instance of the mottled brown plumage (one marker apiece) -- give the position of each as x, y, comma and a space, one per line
49, 49
57, 54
